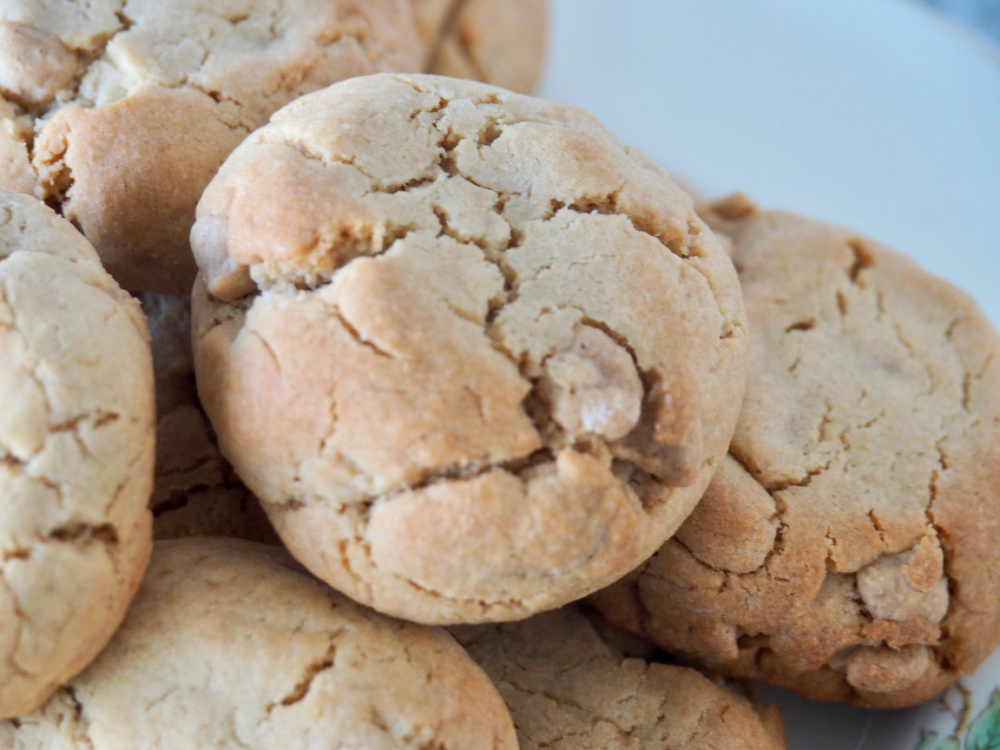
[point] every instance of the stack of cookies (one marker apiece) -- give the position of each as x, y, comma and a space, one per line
417, 351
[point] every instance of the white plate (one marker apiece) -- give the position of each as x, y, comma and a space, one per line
873, 114
869, 113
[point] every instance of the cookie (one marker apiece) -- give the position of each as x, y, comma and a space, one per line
500, 42
120, 111
195, 490
568, 690
847, 548
229, 644
76, 452
475, 357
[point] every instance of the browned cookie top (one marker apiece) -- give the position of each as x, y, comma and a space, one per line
847, 547
475, 356
120, 111
568, 690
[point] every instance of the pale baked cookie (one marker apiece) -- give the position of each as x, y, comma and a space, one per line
229, 645
475, 357
568, 690
195, 492
848, 546
501, 42
120, 111
76, 452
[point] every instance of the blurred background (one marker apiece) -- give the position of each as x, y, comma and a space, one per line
879, 115
982, 15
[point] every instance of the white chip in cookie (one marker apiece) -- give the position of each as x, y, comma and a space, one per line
847, 547
475, 357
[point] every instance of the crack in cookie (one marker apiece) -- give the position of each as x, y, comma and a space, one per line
255, 653
877, 448
479, 317
76, 446
118, 113
566, 688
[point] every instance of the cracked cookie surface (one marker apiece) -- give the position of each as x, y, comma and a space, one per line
76, 452
847, 547
475, 357
500, 42
229, 644
568, 690
195, 490
119, 112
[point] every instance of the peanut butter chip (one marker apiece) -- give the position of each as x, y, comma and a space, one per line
885, 670
889, 593
593, 386
453, 291
857, 507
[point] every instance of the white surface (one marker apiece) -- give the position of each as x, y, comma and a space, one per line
868, 113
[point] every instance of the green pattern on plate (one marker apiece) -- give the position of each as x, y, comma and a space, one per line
933, 741
983, 734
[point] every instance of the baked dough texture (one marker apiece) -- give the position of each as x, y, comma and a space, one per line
229, 645
847, 547
195, 491
500, 42
76, 452
568, 690
476, 358
120, 111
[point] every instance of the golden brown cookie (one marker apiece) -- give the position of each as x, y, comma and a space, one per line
501, 42
120, 111
229, 644
76, 452
195, 490
847, 547
568, 690
475, 357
